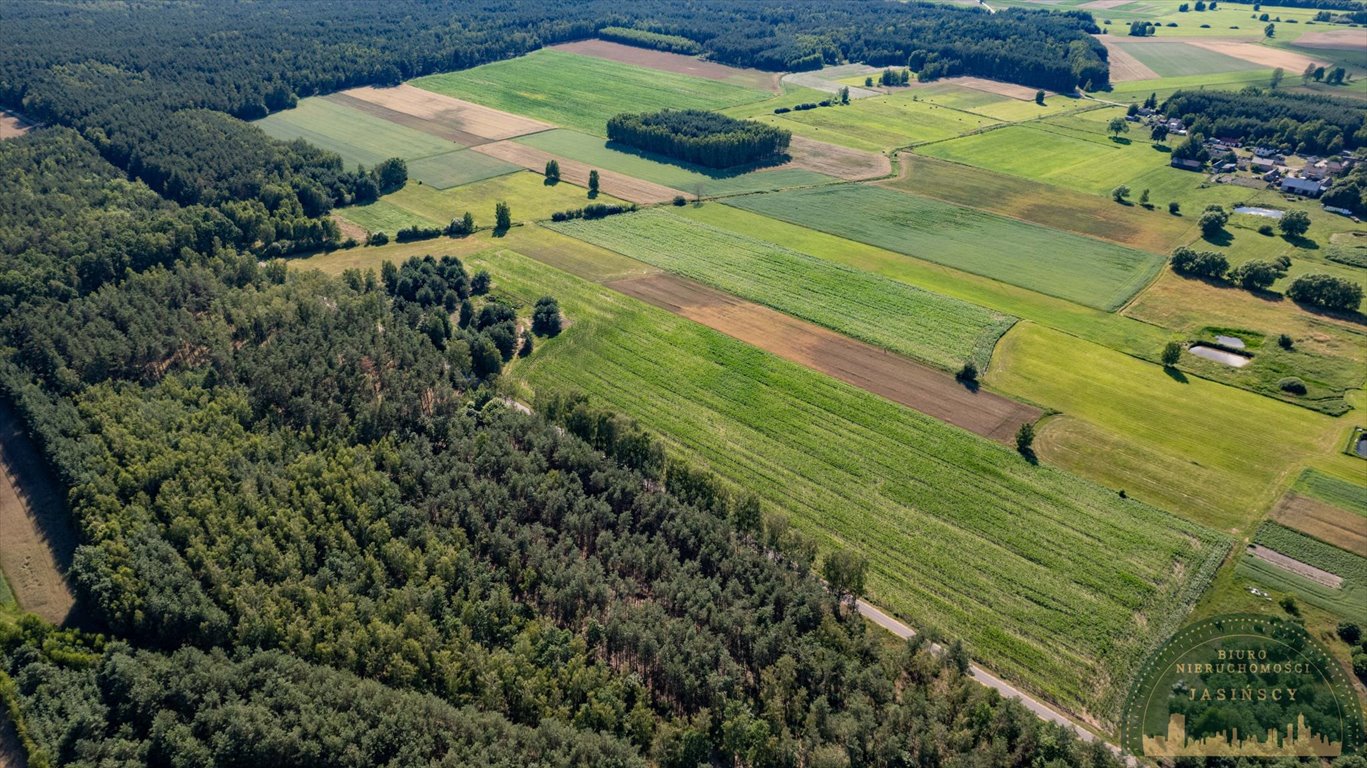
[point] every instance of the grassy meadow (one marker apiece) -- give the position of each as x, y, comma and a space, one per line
1060, 264
877, 123
938, 330
1052, 580
582, 92
358, 137
1210, 452
1178, 59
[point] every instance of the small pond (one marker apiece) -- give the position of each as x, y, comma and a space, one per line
1233, 342
1361, 448
1271, 213
1220, 355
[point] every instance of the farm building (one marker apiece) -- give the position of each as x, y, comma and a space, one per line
1186, 164
1298, 186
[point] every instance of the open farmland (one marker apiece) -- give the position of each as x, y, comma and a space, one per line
595, 152
1322, 521
1091, 272
618, 184
941, 331
528, 196
459, 121
1350, 599
672, 62
875, 124
582, 92
1175, 59
1207, 451
1332, 490
1042, 204
1052, 580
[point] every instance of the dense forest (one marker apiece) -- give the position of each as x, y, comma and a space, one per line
283, 476
1306, 123
700, 137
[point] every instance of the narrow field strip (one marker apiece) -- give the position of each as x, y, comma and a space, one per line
941, 331
616, 184
869, 368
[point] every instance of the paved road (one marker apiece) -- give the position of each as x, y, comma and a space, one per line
1042, 710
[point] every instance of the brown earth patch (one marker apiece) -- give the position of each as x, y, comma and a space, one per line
13, 125
992, 86
1267, 56
1124, 66
1104, 5
1288, 563
37, 539
840, 162
1323, 521
611, 183
1040, 203
350, 228
867, 367
1334, 39
453, 119
673, 62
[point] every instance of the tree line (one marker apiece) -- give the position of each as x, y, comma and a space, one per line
1305, 123
700, 137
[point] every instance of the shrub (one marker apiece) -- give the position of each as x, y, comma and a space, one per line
1174, 208
1326, 291
680, 201
479, 284
377, 238
415, 232
1213, 220
1288, 604
546, 317
1025, 439
967, 374
1285, 342
1208, 264
1349, 632
1294, 223
1266, 229
1292, 385
1172, 352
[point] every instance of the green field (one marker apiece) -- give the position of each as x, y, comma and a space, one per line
995, 105
1138, 90
1111, 330
938, 330
1051, 580
876, 123
1350, 600
582, 92
1207, 451
1333, 491
456, 168
596, 152
356, 136
1080, 269
527, 194
1177, 59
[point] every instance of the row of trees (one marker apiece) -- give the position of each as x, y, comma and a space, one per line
1303, 122
700, 137
1318, 290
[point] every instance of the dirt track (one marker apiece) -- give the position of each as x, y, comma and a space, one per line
37, 540
673, 62
462, 122
875, 370
615, 184
840, 162
1288, 563
1322, 521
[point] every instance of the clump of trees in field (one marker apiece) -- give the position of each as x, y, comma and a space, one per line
1327, 292
700, 137
1307, 123
594, 211
647, 39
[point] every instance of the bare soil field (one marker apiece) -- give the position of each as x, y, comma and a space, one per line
1304, 570
992, 86
350, 228
1103, 5
673, 62
575, 172
37, 539
452, 119
1264, 55
1124, 66
1334, 39
1323, 521
13, 124
840, 162
883, 373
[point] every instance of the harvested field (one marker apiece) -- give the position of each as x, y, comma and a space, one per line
1170, 58
38, 538
1304, 570
992, 86
453, 119
350, 228
1325, 522
1334, 39
1262, 55
615, 184
828, 80
865, 366
1104, 5
1124, 66
13, 124
840, 162
673, 62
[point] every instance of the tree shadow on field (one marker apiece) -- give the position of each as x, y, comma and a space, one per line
1175, 375
1121, 140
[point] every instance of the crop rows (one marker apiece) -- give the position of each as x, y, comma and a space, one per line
939, 330
1080, 269
1052, 580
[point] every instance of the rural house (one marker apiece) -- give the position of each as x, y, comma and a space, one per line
1298, 186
